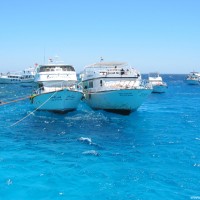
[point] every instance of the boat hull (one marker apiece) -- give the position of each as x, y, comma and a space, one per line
159, 88
16, 81
57, 101
192, 82
121, 101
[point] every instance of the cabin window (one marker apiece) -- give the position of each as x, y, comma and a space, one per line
64, 68
42, 69
70, 68
101, 82
90, 84
58, 68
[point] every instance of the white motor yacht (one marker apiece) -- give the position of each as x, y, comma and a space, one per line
24, 77
157, 83
57, 88
193, 78
114, 87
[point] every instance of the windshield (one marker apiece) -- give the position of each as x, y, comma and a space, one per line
56, 68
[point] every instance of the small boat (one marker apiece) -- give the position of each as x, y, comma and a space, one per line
193, 78
25, 77
58, 89
157, 83
113, 87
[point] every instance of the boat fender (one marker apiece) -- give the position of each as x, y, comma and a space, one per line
32, 97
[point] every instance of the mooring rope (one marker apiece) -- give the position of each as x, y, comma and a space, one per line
34, 110
12, 98
16, 100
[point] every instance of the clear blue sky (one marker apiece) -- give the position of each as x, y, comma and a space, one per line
151, 35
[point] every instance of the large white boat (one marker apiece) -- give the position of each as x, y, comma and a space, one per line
24, 77
113, 87
57, 88
193, 78
159, 86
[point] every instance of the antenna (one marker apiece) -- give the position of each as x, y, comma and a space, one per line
44, 55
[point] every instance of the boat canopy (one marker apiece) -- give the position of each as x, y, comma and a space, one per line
107, 64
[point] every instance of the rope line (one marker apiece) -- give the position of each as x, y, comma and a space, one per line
4, 99
16, 100
34, 110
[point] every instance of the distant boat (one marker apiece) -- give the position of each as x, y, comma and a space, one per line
24, 77
113, 87
193, 78
157, 83
57, 88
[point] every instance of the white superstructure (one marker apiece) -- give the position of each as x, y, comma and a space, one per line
159, 86
113, 86
57, 88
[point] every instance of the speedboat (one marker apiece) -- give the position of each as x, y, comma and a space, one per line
193, 78
114, 87
24, 77
157, 83
58, 89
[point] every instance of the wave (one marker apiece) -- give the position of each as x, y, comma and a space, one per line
91, 152
85, 139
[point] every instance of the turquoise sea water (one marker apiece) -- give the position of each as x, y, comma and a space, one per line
153, 153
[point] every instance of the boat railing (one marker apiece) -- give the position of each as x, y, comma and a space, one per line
112, 71
118, 71
141, 84
57, 87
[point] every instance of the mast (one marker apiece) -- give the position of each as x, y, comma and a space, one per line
44, 56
